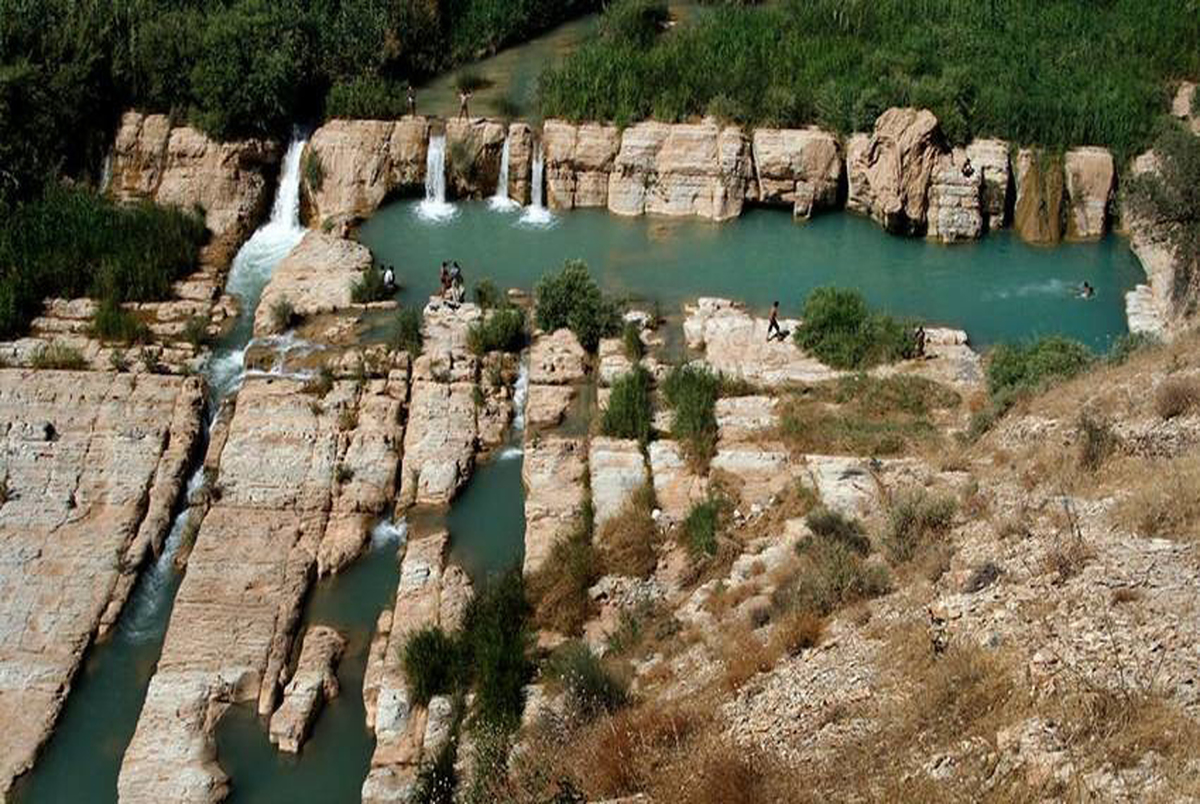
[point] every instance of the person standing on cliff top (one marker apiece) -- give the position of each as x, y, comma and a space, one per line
412, 101
464, 96
773, 330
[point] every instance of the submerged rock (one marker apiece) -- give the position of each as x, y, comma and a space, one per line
313, 683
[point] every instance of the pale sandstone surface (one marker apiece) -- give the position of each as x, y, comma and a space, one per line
955, 209
93, 465
1090, 187
617, 470
520, 162
237, 610
1040, 197
990, 159
802, 168
361, 163
578, 161
557, 359
612, 360
1156, 307
183, 167
1182, 105
473, 148
547, 404
677, 487
758, 470
889, 173
312, 684
743, 417
553, 473
315, 277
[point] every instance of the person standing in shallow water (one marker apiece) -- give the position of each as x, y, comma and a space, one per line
773, 330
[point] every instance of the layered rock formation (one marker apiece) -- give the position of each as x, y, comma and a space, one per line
990, 159
1038, 212
578, 161
473, 150
617, 469
800, 168
351, 166
317, 276
553, 473
284, 462
1091, 183
313, 683
955, 210
557, 363
520, 162
94, 464
181, 166
889, 173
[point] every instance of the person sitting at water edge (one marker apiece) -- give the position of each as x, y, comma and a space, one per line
773, 329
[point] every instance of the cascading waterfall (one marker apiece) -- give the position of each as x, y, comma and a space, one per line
435, 207
536, 213
500, 200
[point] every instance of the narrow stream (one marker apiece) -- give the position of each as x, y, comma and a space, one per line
81, 761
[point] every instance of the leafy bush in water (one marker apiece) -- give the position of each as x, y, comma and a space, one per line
842, 332
406, 331
692, 392
370, 287
572, 299
591, 689
431, 664
628, 414
501, 330
1015, 368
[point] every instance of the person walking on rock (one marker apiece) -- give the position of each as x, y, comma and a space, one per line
773, 330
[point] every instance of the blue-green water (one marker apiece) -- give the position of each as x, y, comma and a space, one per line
487, 521
998, 288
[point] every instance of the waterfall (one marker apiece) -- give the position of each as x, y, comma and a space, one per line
106, 173
435, 206
500, 200
520, 394
536, 213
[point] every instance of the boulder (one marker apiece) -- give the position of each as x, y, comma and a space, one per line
473, 149
553, 474
990, 160
1090, 188
617, 469
359, 163
890, 174
316, 277
800, 168
313, 683
520, 163
578, 160
1038, 212
955, 212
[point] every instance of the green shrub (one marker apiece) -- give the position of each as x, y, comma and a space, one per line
560, 587
841, 331
631, 342
370, 287
406, 331
283, 314
195, 331
431, 664
692, 391
1029, 367
831, 575
832, 525
701, 526
501, 330
628, 414
496, 641
488, 296
591, 689
112, 322
633, 23
1129, 345
365, 98
58, 356
314, 170
914, 518
572, 299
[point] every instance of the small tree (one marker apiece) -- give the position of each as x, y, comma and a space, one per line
572, 299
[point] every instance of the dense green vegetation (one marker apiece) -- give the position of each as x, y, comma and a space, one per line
692, 391
629, 413
841, 331
572, 299
1014, 368
501, 330
1054, 72
71, 242
406, 333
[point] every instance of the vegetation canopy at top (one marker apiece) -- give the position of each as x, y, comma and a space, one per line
1051, 72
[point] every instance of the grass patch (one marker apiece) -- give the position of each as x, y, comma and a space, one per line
496, 642
370, 287
58, 356
841, 331
488, 296
915, 518
1177, 396
835, 526
592, 690
501, 330
1031, 367
692, 392
314, 171
701, 527
628, 540
1164, 501
112, 322
196, 331
829, 575
559, 589
406, 333
1097, 442
432, 664
629, 414
572, 299
631, 342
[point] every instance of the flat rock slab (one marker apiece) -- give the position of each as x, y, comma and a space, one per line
742, 417
761, 470
617, 470
316, 277
547, 404
676, 486
557, 359
313, 683
553, 472
93, 465
440, 441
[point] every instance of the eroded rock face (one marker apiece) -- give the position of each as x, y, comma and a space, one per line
93, 466
473, 150
520, 162
313, 683
578, 161
955, 210
553, 474
316, 277
1038, 213
890, 173
1090, 184
801, 168
183, 167
679, 170
990, 159
617, 470
360, 163
239, 605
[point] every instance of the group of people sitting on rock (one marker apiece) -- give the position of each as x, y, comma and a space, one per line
453, 287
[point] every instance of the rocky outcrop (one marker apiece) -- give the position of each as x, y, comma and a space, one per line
429, 594
578, 161
520, 163
1038, 212
889, 173
282, 474
473, 149
93, 467
1091, 183
316, 277
1183, 106
351, 166
990, 160
553, 473
680, 170
617, 469
557, 359
955, 210
313, 683
181, 166
800, 168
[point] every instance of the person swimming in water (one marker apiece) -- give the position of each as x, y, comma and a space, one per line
1086, 291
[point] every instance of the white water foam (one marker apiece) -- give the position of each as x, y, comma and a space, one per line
435, 208
386, 533
508, 453
520, 395
536, 216
1049, 287
500, 201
